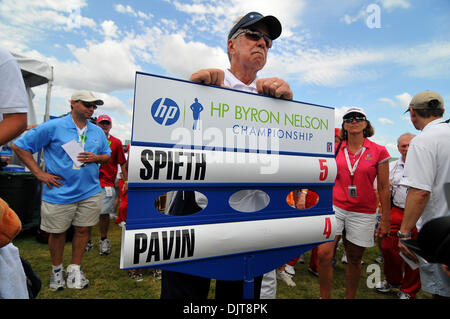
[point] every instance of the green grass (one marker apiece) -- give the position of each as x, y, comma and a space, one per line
108, 281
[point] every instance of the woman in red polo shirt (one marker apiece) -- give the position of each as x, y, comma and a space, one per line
359, 161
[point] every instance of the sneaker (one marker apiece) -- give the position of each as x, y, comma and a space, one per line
76, 278
89, 246
403, 295
281, 274
57, 281
157, 274
301, 259
121, 224
379, 259
134, 274
344, 259
312, 272
289, 270
104, 247
384, 286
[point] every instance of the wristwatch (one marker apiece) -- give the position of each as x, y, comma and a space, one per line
403, 236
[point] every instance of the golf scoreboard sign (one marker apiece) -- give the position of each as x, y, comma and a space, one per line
210, 173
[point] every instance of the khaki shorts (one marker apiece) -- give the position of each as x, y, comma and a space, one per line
57, 218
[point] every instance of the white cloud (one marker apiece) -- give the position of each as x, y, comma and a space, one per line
407, 118
431, 60
362, 14
392, 4
329, 67
110, 29
387, 100
349, 19
181, 58
335, 67
387, 141
125, 9
402, 100
102, 67
129, 10
339, 114
220, 15
110, 65
384, 121
50, 14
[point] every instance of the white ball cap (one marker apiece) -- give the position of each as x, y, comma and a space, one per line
355, 110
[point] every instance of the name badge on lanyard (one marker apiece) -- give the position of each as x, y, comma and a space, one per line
81, 141
82, 136
352, 191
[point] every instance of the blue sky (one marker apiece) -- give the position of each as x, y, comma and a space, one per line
374, 54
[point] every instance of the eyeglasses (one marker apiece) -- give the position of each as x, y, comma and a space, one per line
356, 118
255, 36
88, 105
104, 123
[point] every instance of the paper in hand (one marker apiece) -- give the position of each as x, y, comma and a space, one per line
412, 263
72, 148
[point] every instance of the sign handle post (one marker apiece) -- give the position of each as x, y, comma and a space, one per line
248, 280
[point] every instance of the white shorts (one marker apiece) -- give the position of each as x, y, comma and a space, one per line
57, 218
108, 198
359, 227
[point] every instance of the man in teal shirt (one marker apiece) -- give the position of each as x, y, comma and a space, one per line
71, 189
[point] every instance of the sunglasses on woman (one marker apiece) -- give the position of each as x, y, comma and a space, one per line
255, 36
356, 118
88, 105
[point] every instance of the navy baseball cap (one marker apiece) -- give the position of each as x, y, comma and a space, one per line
251, 18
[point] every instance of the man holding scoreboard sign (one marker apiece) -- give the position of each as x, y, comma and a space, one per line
249, 41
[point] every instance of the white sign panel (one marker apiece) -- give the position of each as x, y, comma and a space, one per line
174, 112
152, 247
155, 165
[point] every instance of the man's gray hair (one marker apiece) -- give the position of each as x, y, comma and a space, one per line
404, 134
233, 35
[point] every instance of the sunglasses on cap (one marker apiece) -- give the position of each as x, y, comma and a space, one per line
88, 105
255, 36
356, 118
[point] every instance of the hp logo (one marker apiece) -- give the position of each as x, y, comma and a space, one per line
165, 112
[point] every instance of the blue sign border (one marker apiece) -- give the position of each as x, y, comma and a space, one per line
245, 266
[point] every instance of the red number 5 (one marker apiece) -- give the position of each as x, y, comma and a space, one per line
323, 169
327, 230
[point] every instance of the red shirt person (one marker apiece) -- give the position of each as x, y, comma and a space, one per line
359, 161
108, 175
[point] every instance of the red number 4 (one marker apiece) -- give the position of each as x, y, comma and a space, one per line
323, 169
327, 230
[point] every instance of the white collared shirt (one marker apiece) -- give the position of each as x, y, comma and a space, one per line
398, 191
236, 84
427, 168
247, 200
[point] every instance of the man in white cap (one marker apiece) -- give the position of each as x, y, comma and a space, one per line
249, 41
427, 170
73, 148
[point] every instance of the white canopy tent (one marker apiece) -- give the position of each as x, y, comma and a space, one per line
35, 73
